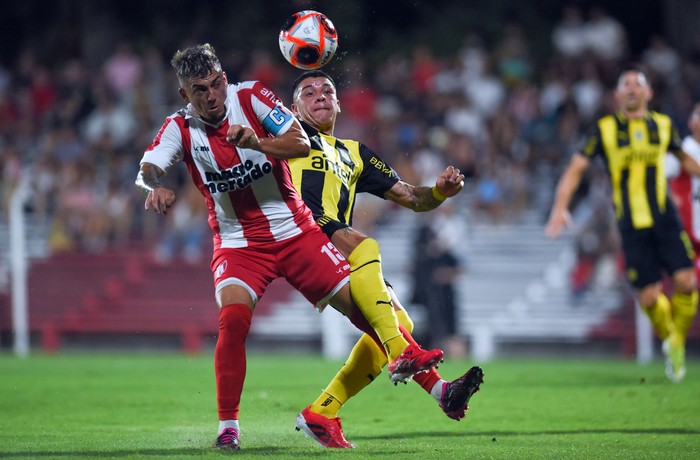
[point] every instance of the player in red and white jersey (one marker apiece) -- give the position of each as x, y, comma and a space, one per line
686, 187
235, 140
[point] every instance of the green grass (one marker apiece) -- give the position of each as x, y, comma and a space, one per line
152, 406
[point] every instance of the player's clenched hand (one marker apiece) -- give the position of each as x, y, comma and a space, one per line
160, 199
243, 136
450, 182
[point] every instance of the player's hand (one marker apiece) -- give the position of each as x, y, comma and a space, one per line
160, 199
450, 182
243, 136
556, 224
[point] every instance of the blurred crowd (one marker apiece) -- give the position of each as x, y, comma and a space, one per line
507, 120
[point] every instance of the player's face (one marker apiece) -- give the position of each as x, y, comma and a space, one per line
317, 103
207, 95
633, 92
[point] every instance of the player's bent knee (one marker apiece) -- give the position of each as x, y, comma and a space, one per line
365, 252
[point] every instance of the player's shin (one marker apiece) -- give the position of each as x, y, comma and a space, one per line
230, 358
372, 297
660, 316
684, 308
363, 365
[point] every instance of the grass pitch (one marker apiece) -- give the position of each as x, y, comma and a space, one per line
152, 406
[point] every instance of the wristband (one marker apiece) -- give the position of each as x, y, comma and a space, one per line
437, 195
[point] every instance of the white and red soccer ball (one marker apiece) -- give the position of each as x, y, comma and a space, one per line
308, 40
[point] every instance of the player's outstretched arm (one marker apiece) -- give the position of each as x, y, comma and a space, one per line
689, 164
422, 198
560, 217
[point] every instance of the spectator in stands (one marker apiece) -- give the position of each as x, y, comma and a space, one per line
663, 61
123, 70
569, 34
330, 192
633, 143
11, 167
236, 140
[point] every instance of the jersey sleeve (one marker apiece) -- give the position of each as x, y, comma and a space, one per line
275, 118
672, 166
592, 144
377, 176
166, 149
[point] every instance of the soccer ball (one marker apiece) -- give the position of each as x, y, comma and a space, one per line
308, 40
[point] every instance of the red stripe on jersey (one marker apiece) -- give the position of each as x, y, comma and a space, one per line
246, 207
262, 94
302, 215
197, 178
156, 140
682, 189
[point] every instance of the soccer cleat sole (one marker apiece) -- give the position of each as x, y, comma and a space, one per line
473, 379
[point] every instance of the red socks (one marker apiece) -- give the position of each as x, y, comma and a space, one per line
230, 358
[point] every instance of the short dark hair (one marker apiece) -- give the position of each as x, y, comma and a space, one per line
309, 74
197, 61
632, 68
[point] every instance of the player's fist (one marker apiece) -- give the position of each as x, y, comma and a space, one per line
242, 136
160, 199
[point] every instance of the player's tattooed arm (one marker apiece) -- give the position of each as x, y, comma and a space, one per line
419, 199
158, 198
148, 177
448, 184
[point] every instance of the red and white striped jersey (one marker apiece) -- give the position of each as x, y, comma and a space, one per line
250, 196
686, 190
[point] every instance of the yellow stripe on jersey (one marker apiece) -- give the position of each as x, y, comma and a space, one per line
332, 166
634, 150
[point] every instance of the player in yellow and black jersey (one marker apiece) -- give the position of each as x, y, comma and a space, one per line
333, 173
633, 144
328, 181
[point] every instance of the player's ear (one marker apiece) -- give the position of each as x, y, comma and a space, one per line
294, 109
225, 77
183, 95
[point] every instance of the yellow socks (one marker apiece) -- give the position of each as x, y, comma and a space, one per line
684, 308
364, 364
361, 368
660, 316
372, 297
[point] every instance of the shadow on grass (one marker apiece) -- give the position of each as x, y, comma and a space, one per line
442, 434
159, 453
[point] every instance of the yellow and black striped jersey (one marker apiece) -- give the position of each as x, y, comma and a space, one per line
334, 171
633, 151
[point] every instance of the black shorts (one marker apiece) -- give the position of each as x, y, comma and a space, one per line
330, 226
650, 252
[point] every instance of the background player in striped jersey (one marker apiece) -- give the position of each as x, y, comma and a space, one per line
328, 180
686, 187
235, 140
633, 143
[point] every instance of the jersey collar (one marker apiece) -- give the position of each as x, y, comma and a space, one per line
190, 112
310, 130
